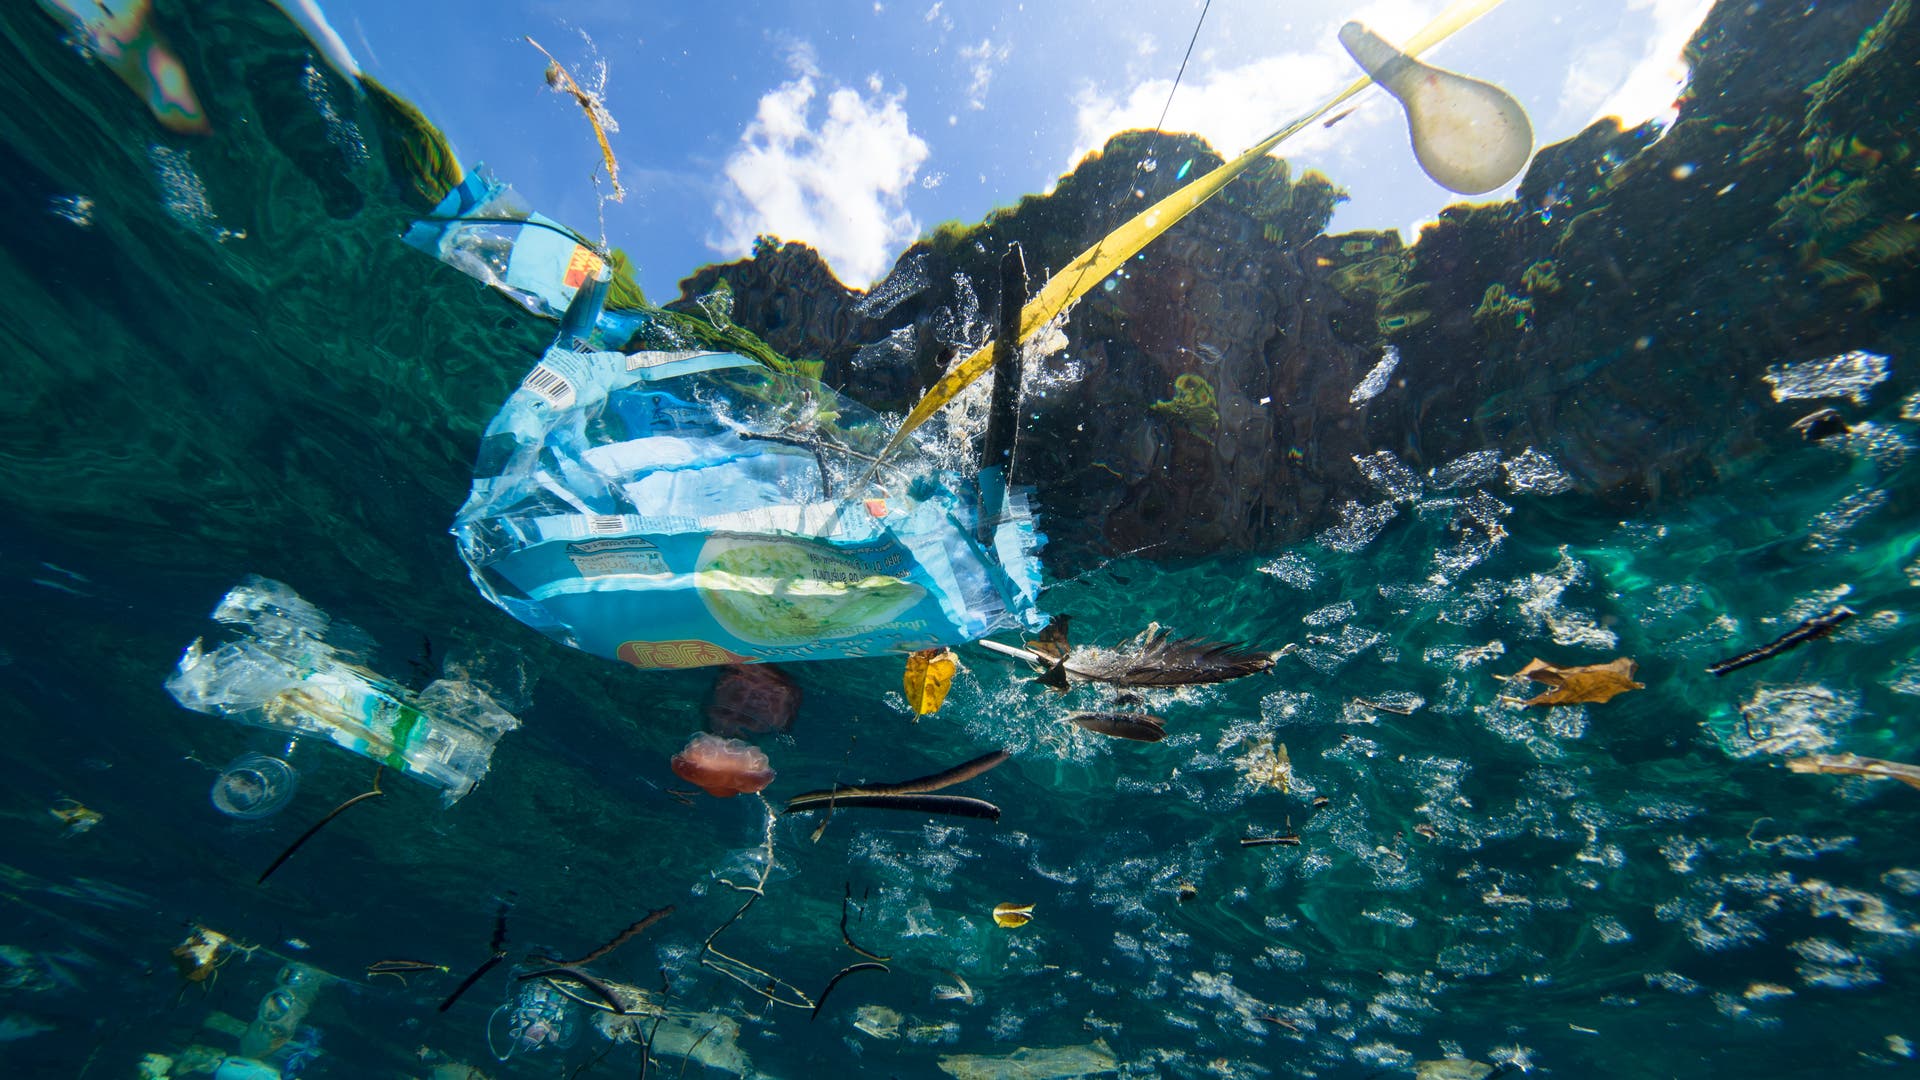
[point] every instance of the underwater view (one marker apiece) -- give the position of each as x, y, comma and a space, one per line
1443, 605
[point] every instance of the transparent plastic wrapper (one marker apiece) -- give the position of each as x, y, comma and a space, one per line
484, 229
683, 509
281, 674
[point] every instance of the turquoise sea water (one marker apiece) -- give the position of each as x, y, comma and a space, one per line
221, 362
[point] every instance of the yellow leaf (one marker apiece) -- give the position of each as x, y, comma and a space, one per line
929, 677
1575, 685
1012, 915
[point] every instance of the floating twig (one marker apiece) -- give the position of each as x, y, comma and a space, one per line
1817, 627
900, 796
841, 974
956, 805
599, 988
696, 1045
321, 824
1286, 839
845, 902
619, 939
400, 969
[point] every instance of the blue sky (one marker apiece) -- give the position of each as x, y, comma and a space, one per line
857, 125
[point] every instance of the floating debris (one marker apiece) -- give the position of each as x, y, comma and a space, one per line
1820, 424
321, 824
1286, 839
400, 969
841, 974
1855, 765
204, 952
1376, 379
1809, 629
928, 679
562, 82
1012, 916
910, 795
1152, 658
1030, 1063
1138, 727
76, 817
497, 946
1578, 685
1849, 375
847, 939
1266, 764
632, 931
877, 1021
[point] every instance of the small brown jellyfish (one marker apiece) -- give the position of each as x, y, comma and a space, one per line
752, 699
723, 768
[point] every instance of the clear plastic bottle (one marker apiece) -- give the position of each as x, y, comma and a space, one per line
283, 675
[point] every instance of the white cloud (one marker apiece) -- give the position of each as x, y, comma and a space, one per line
837, 181
1650, 81
1235, 107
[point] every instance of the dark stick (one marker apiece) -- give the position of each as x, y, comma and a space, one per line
1809, 629
599, 988
646, 1048
619, 939
835, 981
696, 1045
467, 983
966, 770
845, 901
956, 805
321, 824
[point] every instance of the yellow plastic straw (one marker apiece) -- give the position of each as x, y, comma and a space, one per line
1104, 257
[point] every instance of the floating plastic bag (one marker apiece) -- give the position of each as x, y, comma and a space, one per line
281, 674
683, 509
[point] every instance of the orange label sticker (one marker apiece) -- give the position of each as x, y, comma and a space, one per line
581, 266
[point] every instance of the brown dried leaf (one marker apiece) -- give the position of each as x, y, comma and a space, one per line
1577, 685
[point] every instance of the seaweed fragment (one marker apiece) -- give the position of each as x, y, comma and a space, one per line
321, 824
618, 940
776, 990
912, 795
845, 903
497, 945
1818, 626
952, 805
867, 965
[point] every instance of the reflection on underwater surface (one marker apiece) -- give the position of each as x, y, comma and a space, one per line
1633, 885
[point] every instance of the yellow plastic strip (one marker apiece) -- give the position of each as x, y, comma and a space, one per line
1106, 256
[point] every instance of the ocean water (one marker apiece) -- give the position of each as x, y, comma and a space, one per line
221, 362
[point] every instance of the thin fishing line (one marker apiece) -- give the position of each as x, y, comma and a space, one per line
1153, 148
1183, 65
